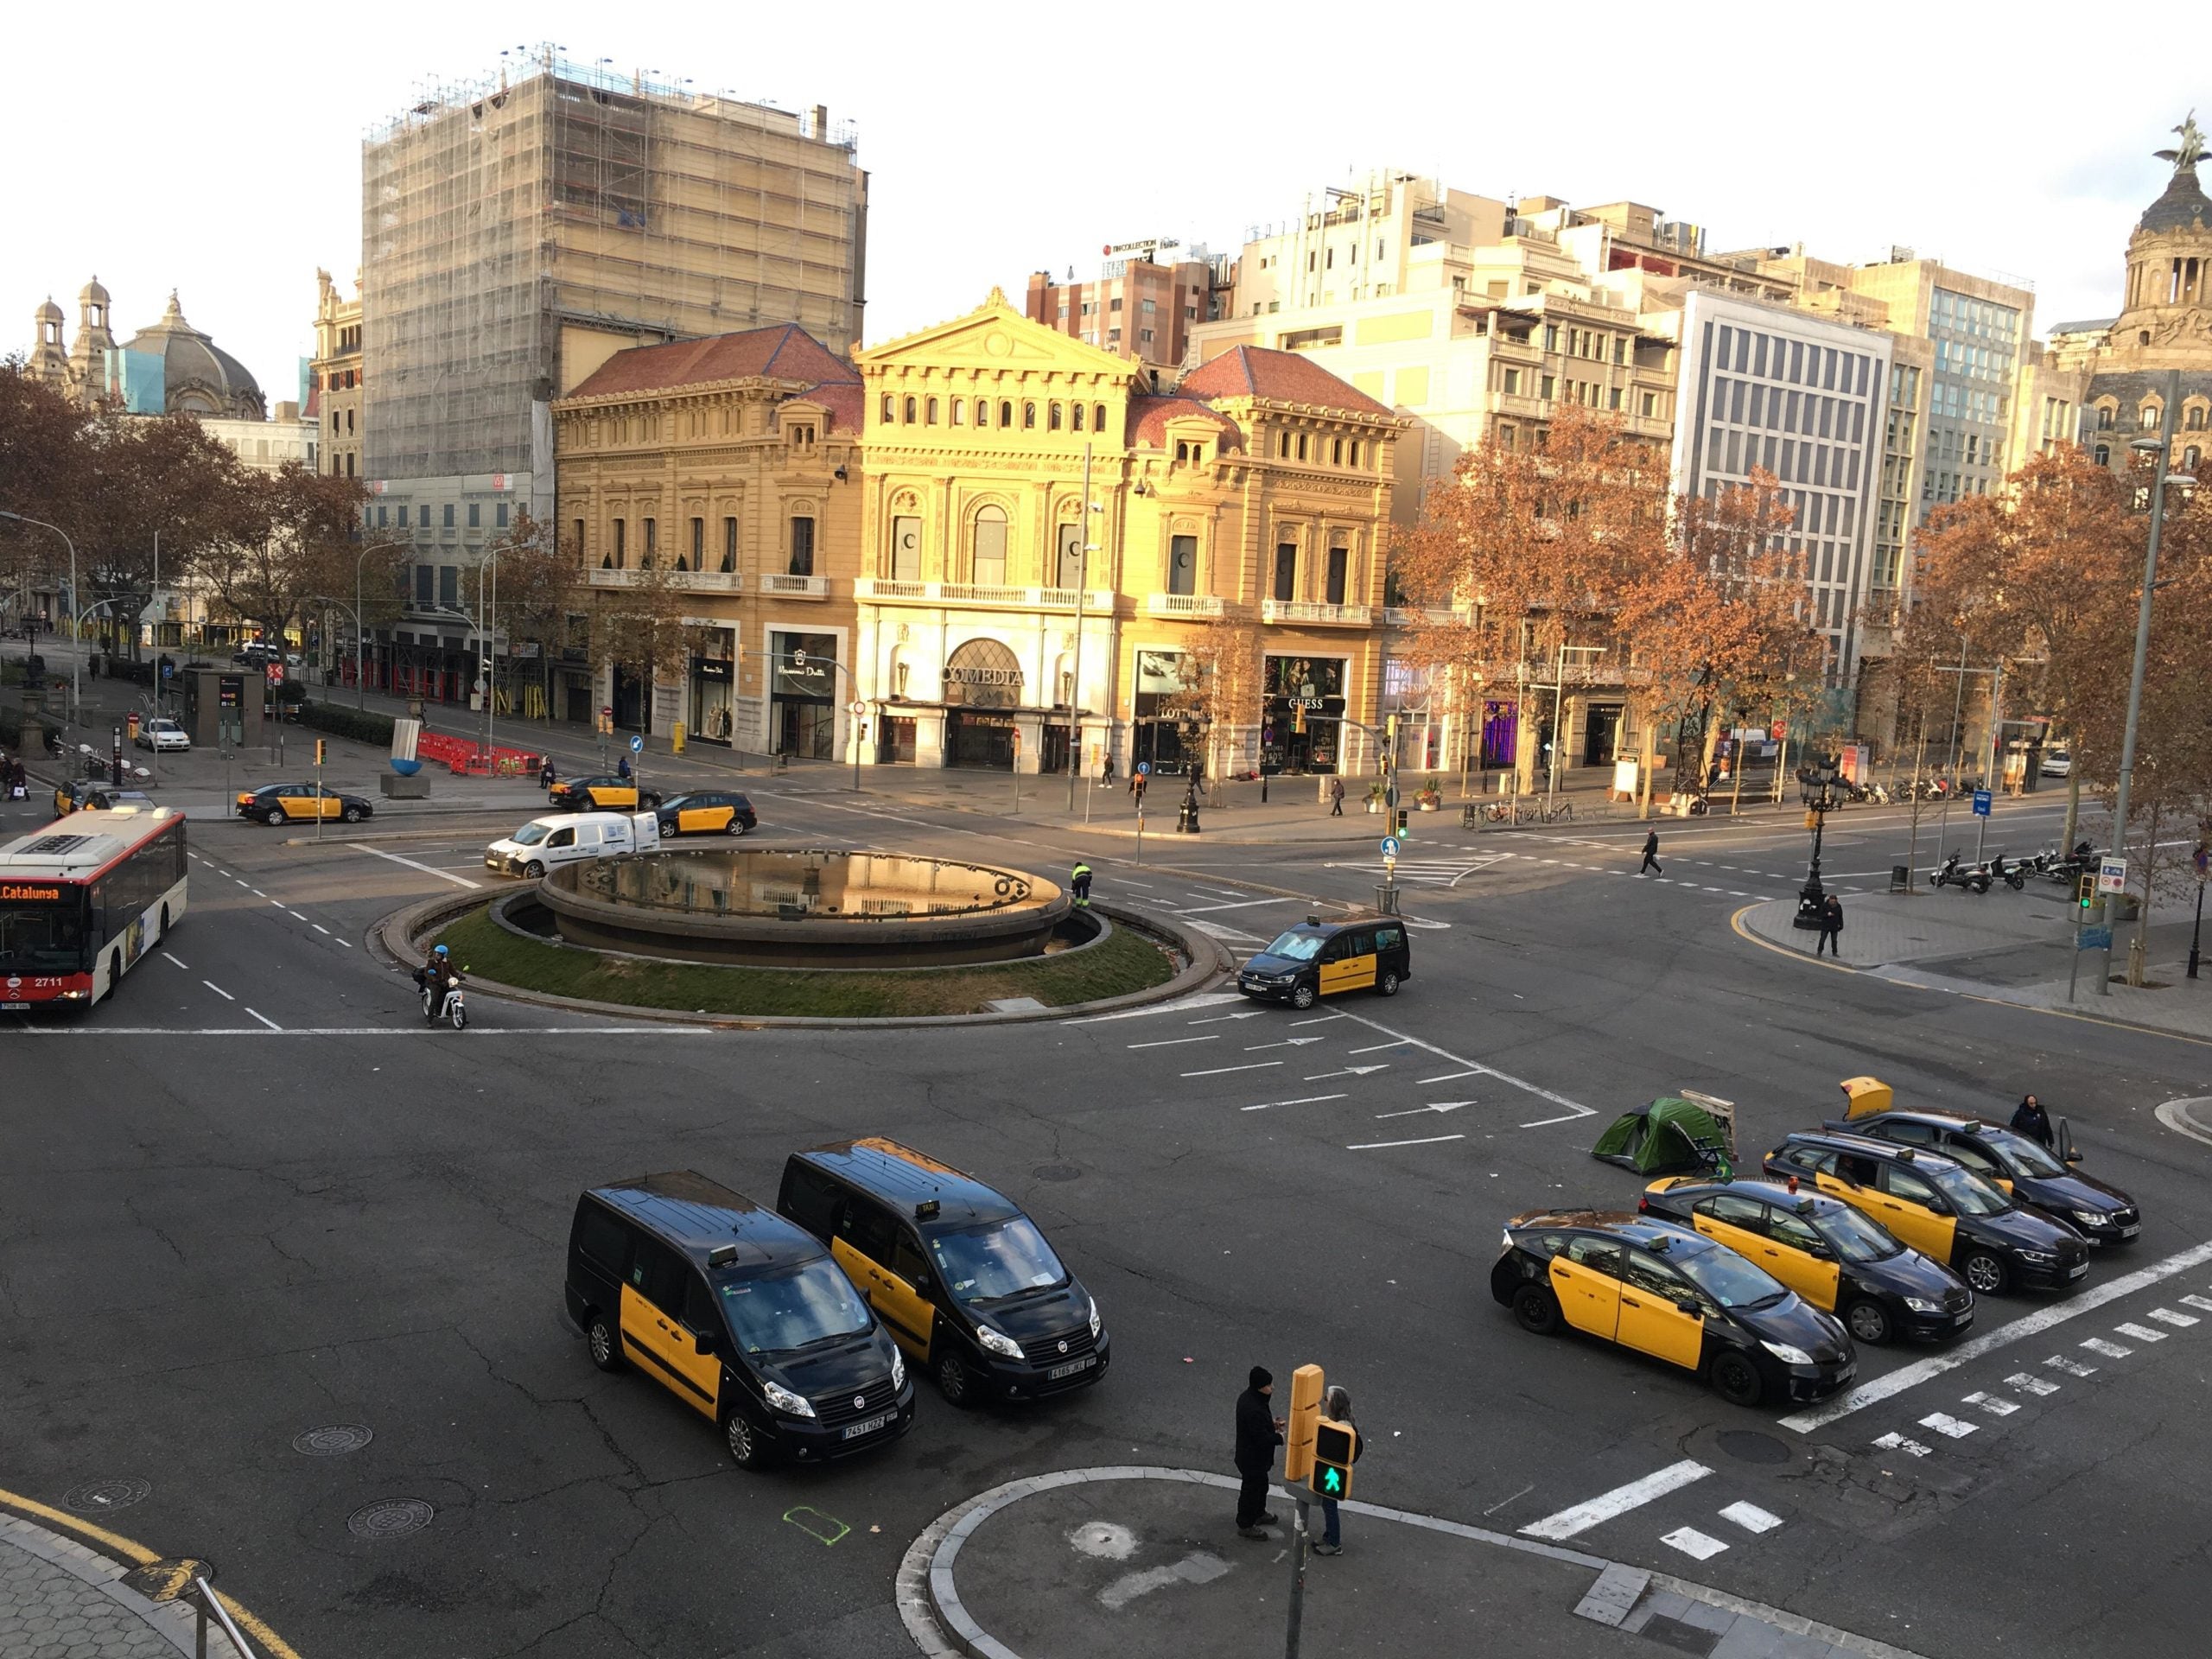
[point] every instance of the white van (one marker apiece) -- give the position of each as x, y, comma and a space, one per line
546, 843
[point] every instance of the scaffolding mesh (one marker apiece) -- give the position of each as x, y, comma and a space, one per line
495, 216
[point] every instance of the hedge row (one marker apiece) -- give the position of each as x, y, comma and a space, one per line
363, 725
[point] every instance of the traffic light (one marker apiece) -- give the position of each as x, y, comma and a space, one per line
322, 750
1330, 1474
2087, 889
1304, 1413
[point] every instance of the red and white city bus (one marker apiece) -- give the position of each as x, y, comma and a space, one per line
83, 898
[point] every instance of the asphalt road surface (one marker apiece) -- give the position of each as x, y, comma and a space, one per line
252, 1196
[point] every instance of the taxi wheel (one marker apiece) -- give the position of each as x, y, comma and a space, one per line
605, 1347
1870, 1323
1536, 1309
351, 815
1387, 984
746, 1448
1736, 1380
273, 817
953, 1380
734, 827
1303, 997
1984, 1272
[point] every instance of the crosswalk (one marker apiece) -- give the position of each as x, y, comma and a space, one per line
1444, 872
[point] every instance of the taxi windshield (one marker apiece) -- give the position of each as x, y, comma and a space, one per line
531, 834
1855, 1238
1968, 1193
994, 1264
776, 1313
2021, 1156
1295, 947
1731, 1280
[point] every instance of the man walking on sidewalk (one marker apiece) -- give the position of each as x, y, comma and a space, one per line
1831, 925
1336, 798
1650, 853
1259, 1430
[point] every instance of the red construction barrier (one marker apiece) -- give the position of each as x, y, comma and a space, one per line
465, 760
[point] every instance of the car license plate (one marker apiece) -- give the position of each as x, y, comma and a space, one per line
15, 1005
1072, 1367
2077, 1270
2130, 1232
853, 1431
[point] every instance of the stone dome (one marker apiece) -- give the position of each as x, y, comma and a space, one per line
50, 312
2181, 207
92, 294
198, 376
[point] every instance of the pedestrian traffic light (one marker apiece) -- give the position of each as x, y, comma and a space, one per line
322, 750
1330, 1474
1304, 1413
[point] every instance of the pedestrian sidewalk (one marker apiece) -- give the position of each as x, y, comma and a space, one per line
1146, 1563
2007, 947
60, 1599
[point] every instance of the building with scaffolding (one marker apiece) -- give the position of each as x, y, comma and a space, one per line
518, 232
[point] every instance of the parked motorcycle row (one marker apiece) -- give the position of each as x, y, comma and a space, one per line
2064, 869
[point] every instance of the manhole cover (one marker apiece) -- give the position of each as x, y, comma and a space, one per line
1748, 1446
394, 1517
1057, 1172
332, 1441
98, 1497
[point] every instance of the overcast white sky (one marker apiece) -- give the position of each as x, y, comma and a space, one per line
218, 150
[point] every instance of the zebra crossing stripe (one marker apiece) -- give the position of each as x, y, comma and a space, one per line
2060, 1362
1943, 1423
1992, 1404
2027, 1384
2167, 1316
1894, 1442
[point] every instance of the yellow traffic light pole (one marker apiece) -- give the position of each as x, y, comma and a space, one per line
1298, 1465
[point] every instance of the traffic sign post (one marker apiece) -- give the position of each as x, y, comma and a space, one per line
1981, 805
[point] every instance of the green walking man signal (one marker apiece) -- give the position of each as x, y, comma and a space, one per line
1332, 1452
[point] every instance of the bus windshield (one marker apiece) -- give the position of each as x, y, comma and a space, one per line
46, 937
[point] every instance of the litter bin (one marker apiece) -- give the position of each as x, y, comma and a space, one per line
1900, 877
1386, 900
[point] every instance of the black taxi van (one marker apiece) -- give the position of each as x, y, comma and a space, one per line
962, 1278
739, 1314
1317, 959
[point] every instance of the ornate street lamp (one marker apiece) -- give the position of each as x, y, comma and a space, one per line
1822, 797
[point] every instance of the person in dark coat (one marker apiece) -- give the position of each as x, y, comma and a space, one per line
2030, 1120
622, 769
1259, 1430
1650, 853
1336, 798
1831, 926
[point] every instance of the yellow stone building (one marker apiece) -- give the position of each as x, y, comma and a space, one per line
334, 377
955, 589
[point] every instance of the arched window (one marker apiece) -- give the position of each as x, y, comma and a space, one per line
982, 411
989, 566
2104, 412
1078, 418
1006, 411
929, 413
2149, 417
888, 416
1283, 446
909, 411
1028, 417
2193, 418
1098, 417
1052, 418
2104, 454
1302, 446
1336, 452
959, 411
1355, 452
2190, 457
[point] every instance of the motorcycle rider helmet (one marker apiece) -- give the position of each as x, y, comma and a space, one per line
440, 951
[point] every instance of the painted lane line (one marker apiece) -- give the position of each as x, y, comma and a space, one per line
1898, 1443
240, 880
1445, 1076
1538, 1123
1218, 1019
1438, 1107
1287, 1042
296, 917
2027, 1384
1377, 1048
1571, 1522
2204, 1302
321, 929
1943, 1423
348, 944
218, 990
1256, 1066
1750, 1517
427, 869
1992, 1404
2044, 1318
178, 963
2072, 1367
1172, 1042
1240, 903
416, 1030
1149, 886
2167, 1316
1472, 1067
2140, 1332
279, 903
1318, 1019
1302, 1100
2109, 1350
1348, 1071
265, 1020
1692, 1542
1425, 1140
258, 893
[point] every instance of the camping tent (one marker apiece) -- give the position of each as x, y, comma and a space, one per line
1671, 1136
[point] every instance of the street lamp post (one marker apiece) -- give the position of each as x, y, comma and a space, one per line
1821, 799
76, 679
2203, 861
2164, 444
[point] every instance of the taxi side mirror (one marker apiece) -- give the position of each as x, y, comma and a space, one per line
1690, 1308
703, 1342
1938, 1202
1822, 1253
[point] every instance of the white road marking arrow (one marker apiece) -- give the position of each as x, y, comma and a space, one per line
1249, 1014
1287, 1042
1349, 1071
1437, 1106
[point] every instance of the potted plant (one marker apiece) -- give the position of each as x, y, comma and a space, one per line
1429, 797
1376, 796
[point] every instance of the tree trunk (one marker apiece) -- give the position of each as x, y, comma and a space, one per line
2073, 810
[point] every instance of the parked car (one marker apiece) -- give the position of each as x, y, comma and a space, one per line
2057, 763
163, 734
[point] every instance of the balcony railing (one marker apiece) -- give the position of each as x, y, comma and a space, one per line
1406, 616
1307, 610
796, 586
613, 578
1188, 604
893, 590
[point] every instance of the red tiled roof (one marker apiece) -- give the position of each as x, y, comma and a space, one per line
784, 352
1148, 419
845, 402
1278, 376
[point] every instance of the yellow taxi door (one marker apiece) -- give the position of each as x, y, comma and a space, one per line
902, 1298
862, 1242
614, 798
1347, 962
1756, 1233
1585, 1279
694, 820
1650, 1321
653, 1336
1907, 1210
1790, 1258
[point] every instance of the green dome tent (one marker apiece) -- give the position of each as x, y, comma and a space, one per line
1671, 1136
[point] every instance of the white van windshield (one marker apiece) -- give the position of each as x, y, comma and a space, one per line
531, 834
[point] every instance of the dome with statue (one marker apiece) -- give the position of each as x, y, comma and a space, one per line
198, 376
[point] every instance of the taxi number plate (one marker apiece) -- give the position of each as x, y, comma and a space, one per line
2077, 1270
14, 1005
853, 1431
1072, 1367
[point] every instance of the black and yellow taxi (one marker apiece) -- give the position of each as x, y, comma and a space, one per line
738, 1313
1689, 1300
1317, 959
2101, 1213
1830, 1254
962, 1279
90, 795
1937, 1205
600, 795
301, 804
708, 812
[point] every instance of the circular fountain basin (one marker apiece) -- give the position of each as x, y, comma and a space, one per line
812, 907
